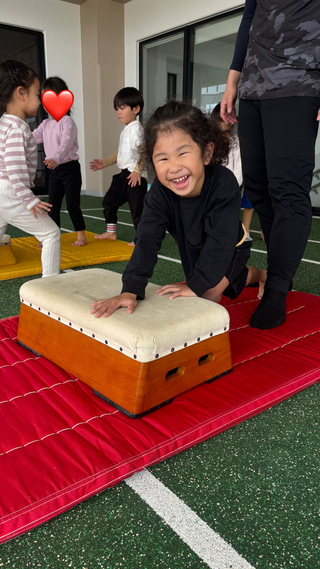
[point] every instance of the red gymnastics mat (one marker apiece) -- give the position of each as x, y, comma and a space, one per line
60, 444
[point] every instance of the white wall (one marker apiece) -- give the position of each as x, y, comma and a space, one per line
147, 18
60, 22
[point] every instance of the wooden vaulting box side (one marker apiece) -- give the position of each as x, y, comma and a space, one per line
130, 385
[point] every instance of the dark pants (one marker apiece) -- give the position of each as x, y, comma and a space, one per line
119, 193
65, 180
277, 143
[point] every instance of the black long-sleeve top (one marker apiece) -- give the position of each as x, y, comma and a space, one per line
206, 229
240, 49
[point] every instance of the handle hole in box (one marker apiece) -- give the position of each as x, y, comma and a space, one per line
174, 373
206, 359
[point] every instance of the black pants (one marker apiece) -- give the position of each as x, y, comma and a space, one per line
119, 193
277, 143
65, 180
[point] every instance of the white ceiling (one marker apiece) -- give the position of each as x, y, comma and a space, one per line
83, 1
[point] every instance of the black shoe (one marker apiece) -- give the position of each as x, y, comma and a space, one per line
271, 311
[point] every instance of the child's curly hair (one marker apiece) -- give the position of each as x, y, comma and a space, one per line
189, 119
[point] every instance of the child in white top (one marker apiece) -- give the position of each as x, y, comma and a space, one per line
128, 186
233, 162
19, 100
61, 148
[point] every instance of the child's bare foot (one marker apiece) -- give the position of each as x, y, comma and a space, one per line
262, 283
80, 242
107, 235
256, 275
131, 244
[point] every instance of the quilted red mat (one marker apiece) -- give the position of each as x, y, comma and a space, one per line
60, 444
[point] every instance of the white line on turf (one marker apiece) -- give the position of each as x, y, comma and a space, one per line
309, 240
205, 542
101, 219
178, 260
175, 260
303, 259
169, 259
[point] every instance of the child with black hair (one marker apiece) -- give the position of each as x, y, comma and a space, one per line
196, 200
233, 162
60, 140
130, 185
19, 100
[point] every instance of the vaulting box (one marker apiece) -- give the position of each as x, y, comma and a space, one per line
138, 361
7, 256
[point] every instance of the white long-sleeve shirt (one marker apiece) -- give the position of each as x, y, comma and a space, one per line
130, 139
233, 161
18, 157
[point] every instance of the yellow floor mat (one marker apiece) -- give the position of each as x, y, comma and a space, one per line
97, 251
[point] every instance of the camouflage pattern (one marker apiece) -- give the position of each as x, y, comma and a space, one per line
283, 55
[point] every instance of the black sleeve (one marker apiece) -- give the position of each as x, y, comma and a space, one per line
221, 228
243, 35
150, 234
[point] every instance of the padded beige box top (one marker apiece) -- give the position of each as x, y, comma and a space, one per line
157, 327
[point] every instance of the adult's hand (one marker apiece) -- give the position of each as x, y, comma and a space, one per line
228, 103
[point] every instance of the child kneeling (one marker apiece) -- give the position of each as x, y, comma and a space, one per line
195, 199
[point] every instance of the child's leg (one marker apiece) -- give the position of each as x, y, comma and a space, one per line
3, 227
43, 228
246, 219
247, 212
256, 275
214, 294
48, 233
70, 175
113, 199
55, 194
136, 195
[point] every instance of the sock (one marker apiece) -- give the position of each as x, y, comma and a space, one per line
271, 311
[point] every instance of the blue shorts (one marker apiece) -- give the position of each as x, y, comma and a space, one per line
245, 202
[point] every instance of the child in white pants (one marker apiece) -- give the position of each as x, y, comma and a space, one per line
20, 99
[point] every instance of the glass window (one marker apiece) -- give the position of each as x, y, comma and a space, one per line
162, 71
212, 55
192, 64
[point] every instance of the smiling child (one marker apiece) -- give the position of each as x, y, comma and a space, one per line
196, 200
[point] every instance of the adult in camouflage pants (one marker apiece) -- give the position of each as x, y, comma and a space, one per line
275, 72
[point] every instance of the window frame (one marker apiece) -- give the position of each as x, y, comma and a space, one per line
188, 49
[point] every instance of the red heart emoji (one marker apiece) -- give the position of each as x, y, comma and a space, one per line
57, 105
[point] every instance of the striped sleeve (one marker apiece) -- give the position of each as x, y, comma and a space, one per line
18, 163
